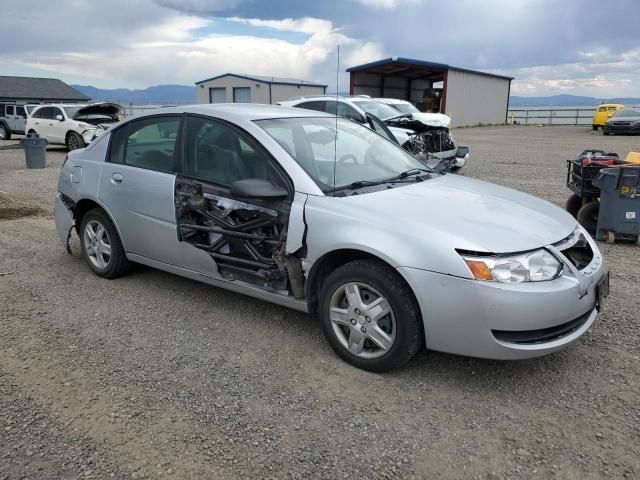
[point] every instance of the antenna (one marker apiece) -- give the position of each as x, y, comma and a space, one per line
335, 143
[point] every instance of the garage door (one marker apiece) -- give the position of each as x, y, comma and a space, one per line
242, 95
217, 95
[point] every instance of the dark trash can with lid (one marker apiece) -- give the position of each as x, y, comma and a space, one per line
619, 216
35, 150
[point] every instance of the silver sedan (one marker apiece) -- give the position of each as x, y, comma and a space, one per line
325, 216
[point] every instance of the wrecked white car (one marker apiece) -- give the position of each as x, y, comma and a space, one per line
323, 215
427, 136
72, 125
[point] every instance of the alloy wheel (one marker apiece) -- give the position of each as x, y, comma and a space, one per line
362, 320
73, 142
3, 132
97, 244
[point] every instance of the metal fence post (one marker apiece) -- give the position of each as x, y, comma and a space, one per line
526, 117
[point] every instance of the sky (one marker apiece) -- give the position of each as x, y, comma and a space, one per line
579, 47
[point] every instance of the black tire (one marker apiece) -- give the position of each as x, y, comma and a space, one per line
409, 336
74, 141
604, 132
574, 203
5, 132
595, 127
118, 264
588, 216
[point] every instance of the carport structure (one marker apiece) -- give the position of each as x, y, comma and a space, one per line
470, 97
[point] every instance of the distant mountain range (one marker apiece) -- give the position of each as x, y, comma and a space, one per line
157, 95
567, 101
185, 94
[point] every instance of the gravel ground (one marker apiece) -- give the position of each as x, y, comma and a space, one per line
156, 376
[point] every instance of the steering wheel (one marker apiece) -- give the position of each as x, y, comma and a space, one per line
347, 157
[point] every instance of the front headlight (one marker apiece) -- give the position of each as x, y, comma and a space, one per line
536, 266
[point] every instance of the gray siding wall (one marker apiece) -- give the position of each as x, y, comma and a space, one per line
280, 93
473, 99
259, 90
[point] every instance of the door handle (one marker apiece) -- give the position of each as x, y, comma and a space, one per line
116, 178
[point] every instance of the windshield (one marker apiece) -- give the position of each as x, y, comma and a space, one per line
72, 111
362, 155
627, 112
405, 108
380, 110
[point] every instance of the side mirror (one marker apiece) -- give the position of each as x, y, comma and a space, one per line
59, 117
257, 188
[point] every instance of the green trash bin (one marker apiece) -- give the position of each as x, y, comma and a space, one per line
35, 150
619, 215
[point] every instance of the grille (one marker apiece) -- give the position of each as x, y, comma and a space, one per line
543, 335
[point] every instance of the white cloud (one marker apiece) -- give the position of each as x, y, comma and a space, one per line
173, 49
601, 74
387, 4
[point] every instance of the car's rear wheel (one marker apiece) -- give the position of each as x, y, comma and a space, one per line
573, 205
588, 216
370, 316
101, 245
5, 133
74, 141
604, 132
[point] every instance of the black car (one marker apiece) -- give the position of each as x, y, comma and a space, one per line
626, 120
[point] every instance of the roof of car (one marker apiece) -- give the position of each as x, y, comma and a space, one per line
239, 111
391, 100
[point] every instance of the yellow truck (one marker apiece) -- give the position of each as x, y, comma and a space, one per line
603, 112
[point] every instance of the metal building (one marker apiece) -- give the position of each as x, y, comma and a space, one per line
468, 96
38, 90
233, 88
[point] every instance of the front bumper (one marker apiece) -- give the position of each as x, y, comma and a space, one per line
506, 321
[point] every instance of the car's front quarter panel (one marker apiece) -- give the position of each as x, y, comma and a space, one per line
334, 224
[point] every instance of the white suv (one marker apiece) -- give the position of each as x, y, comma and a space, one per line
72, 125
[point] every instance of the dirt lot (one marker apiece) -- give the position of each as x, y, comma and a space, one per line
156, 376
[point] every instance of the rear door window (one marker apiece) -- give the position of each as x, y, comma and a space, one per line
149, 143
20, 111
10, 110
318, 106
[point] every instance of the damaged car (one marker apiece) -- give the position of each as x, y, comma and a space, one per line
426, 136
74, 126
323, 215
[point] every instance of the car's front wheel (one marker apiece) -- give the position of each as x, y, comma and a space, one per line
101, 245
74, 141
370, 316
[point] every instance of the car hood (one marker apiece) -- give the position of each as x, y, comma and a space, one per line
103, 108
624, 119
432, 119
465, 213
